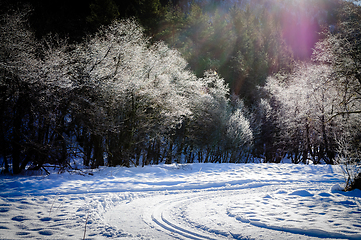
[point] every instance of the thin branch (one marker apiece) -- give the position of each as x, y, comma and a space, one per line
86, 221
343, 113
97, 63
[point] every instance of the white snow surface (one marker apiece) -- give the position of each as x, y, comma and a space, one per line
196, 201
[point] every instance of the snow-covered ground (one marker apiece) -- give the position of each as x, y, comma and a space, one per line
198, 201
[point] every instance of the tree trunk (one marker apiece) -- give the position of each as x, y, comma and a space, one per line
16, 149
169, 157
98, 151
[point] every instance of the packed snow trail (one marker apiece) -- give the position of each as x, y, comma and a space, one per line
241, 214
198, 201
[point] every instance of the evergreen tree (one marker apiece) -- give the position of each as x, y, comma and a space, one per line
102, 13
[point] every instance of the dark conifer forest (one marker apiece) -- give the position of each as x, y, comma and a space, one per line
141, 82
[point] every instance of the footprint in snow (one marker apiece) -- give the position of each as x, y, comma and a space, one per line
4, 210
22, 233
46, 232
19, 218
324, 194
267, 196
45, 219
302, 193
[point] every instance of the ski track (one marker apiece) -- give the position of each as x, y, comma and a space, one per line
227, 214
281, 202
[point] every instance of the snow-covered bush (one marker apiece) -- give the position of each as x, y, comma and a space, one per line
349, 159
239, 134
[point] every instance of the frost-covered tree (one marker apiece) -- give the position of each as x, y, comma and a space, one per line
143, 89
17, 52
306, 101
341, 49
216, 131
239, 136
34, 97
210, 108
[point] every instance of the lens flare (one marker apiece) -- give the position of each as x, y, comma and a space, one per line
245, 40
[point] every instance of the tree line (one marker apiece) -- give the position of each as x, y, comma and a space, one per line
204, 81
114, 96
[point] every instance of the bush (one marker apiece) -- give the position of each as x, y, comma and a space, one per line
349, 159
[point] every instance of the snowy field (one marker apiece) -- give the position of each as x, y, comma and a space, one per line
198, 201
